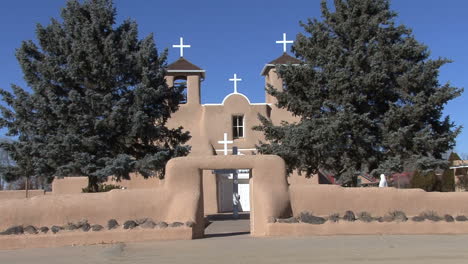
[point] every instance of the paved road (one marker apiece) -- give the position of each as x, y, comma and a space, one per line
239, 247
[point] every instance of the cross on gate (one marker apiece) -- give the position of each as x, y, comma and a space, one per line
225, 142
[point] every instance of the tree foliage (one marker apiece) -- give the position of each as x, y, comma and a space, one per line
98, 104
424, 180
448, 181
367, 95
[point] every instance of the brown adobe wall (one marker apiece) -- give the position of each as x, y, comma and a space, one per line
90, 238
69, 185
373, 228
159, 204
324, 200
19, 194
137, 181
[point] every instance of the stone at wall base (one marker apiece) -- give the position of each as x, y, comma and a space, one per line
91, 238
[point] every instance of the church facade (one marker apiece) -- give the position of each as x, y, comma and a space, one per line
234, 117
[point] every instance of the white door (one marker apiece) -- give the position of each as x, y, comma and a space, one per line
244, 194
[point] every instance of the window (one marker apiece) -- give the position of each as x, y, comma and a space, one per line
238, 126
181, 83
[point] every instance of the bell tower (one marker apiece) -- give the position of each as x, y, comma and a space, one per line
183, 71
272, 78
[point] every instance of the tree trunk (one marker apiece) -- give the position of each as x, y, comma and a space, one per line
93, 184
27, 186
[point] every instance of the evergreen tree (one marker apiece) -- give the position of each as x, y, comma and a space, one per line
426, 181
367, 97
99, 102
448, 181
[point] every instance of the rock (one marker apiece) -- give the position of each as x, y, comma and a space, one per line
461, 218
81, 223
386, 218
399, 216
365, 217
142, 221
349, 216
289, 220
70, 227
448, 218
190, 223
85, 227
334, 218
56, 229
271, 219
30, 230
96, 228
418, 218
162, 225
306, 217
176, 224
130, 224
14, 230
432, 216
112, 224
149, 224
44, 229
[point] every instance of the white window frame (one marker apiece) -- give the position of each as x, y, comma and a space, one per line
236, 126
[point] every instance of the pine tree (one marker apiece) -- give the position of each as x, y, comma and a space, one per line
367, 97
98, 104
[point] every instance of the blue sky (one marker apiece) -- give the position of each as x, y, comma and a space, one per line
230, 37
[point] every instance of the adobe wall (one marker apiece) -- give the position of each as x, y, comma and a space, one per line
268, 186
69, 185
19, 194
137, 181
327, 199
218, 120
122, 205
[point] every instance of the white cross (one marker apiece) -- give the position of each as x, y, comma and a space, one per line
225, 142
235, 80
181, 46
284, 42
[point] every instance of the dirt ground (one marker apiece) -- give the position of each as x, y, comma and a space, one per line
234, 245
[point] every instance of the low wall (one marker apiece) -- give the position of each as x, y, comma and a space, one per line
19, 194
69, 185
324, 200
98, 208
373, 228
137, 181
90, 238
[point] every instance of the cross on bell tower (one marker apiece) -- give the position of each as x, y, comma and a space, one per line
181, 46
284, 42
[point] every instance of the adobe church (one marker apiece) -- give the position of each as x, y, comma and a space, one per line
234, 118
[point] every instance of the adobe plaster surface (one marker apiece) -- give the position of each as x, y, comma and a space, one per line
327, 199
19, 194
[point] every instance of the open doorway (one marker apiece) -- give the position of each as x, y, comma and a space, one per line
232, 191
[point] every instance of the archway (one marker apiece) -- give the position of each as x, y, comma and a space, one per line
268, 186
